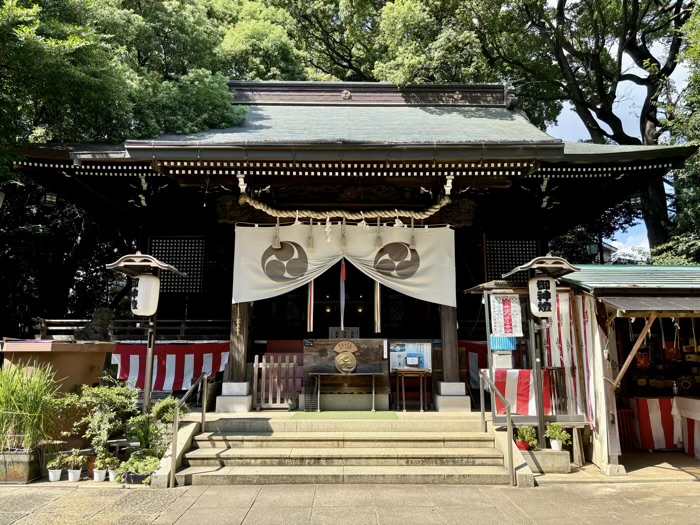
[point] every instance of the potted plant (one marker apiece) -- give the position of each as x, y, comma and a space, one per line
138, 469
557, 436
55, 467
112, 463
527, 438
29, 417
99, 473
74, 463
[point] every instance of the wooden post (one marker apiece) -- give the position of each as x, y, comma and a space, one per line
238, 354
634, 350
578, 323
450, 357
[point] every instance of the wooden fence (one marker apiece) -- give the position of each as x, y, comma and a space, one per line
274, 381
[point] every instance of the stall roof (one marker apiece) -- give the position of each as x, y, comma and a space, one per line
636, 280
647, 305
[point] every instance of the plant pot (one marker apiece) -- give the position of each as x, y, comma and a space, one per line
74, 475
136, 479
99, 475
19, 467
522, 445
112, 475
55, 475
556, 444
91, 465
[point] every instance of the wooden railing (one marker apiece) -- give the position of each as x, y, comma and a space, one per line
136, 329
275, 381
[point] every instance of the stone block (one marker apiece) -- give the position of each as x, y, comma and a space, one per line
452, 389
234, 404
235, 389
452, 403
548, 461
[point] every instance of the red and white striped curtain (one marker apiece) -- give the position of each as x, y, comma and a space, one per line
656, 427
175, 367
518, 387
560, 350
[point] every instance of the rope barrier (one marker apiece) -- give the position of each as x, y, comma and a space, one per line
379, 214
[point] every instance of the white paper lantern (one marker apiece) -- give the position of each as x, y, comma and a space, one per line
144, 295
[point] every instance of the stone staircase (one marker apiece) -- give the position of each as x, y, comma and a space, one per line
413, 449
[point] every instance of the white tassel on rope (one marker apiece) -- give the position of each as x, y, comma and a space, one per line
412, 245
276, 243
342, 235
378, 242
328, 229
310, 243
363, 223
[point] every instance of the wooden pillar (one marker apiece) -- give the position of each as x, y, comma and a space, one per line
448, 331
238, 356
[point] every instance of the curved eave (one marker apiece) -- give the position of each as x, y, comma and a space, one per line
584, 153
344, 151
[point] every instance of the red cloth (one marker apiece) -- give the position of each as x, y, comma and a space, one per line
654, 422
175, 366
518, 387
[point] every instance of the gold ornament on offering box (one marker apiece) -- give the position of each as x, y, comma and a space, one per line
345, 361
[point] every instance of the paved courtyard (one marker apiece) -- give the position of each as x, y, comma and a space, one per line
624, 503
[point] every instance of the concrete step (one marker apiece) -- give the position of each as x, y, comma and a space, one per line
343, 440
343, 457
261, 425
256, 475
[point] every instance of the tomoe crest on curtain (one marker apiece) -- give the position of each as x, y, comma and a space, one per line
424, 271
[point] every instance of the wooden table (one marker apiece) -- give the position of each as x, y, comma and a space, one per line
401, 375
350, 374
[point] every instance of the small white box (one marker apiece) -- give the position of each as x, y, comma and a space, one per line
502, 360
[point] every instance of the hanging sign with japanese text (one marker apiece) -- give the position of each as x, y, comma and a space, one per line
543, 296
506, 320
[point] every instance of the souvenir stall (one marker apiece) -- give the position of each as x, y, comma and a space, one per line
649, 315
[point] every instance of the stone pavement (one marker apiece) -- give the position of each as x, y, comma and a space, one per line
86, 503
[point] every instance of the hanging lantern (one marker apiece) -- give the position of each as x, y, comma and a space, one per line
144, 294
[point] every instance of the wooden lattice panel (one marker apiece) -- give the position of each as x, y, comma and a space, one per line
503, 255
187, 255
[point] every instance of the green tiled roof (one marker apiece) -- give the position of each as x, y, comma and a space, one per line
582, 152
601, 279
289, 124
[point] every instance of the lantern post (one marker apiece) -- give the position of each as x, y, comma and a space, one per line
145, 271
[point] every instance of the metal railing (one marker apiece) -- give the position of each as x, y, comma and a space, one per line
509, 419
176, 421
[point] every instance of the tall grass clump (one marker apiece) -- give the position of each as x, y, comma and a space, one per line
29, 406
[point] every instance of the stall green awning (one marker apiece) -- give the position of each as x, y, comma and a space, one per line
663, 306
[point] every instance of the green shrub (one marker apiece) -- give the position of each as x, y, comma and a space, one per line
151, 437
29, 406
138, 464
102, 410
164, 410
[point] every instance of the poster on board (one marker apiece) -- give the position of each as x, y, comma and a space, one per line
410, 354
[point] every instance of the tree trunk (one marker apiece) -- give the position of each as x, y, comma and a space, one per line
655, 213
